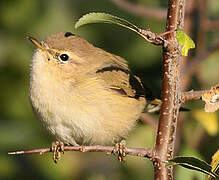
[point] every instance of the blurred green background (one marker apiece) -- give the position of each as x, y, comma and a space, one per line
20, 130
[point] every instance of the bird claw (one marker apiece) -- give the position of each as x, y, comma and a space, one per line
120, 150
57, 149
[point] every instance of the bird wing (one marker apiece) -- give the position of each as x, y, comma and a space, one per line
119, 78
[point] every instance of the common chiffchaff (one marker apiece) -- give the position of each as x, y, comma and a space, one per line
83, 94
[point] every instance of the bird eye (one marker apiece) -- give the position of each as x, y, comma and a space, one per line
64, 57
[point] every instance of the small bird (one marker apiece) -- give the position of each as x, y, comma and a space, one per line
83, 94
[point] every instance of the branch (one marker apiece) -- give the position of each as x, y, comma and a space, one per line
153, 38
140, 152
156, 13
190, 95
164, 148
210, 97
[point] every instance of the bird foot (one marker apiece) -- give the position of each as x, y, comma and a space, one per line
57, 149
120, 150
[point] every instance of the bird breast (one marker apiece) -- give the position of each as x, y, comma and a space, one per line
85, 112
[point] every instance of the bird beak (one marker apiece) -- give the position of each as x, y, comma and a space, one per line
36, 43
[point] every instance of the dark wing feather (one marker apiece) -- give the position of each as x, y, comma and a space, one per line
122, 80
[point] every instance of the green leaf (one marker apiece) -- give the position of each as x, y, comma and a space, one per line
192, 163
185, 41
105, 18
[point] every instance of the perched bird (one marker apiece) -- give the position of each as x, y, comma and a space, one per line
83, 94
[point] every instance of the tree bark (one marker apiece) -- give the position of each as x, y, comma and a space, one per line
171, 92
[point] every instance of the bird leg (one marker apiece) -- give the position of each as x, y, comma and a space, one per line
120, 150
57, 149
